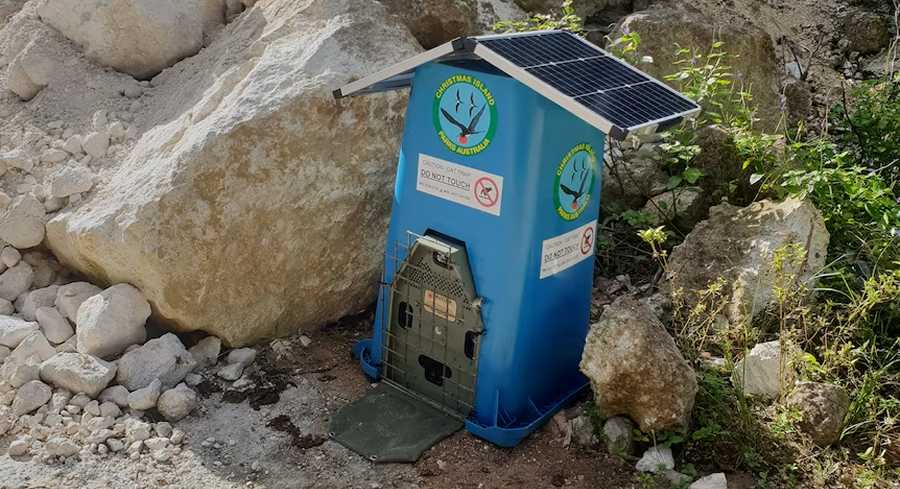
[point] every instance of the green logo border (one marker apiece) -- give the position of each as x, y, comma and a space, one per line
488, 96
571, 216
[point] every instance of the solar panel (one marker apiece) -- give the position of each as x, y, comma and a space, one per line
591, 78
540, 49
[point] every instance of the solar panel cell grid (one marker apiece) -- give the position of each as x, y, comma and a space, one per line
541, 49
607, 86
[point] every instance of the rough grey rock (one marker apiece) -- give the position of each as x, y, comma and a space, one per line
178, 191
35, 345
78, 373
243, 356
16, 281
60, 447
30, 396
54, 326
9, 256
6, 307
765, 371
111, 321
822, 407
71, 180
138, 37
738, 244
145, 398
231, 372
656, 459
18, 448
206, 351
619, 436
43, 297
163, 358
22, 222
70, 296
13, 330
175, 404
116, 394
868, 32
629, 181
96, 144
582, 430
19, 371
683, 206
636, 369
755, 61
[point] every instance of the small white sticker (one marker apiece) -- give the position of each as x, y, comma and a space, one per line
567, 250
461, 184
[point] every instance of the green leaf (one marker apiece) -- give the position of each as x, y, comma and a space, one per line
674, 181
691, 174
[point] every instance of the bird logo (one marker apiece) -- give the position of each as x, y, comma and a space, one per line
584, 171
465, 130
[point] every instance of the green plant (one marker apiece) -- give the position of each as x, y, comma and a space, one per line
870, 126
566, 19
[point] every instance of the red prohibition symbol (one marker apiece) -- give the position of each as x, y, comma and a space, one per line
587, 241
486, 192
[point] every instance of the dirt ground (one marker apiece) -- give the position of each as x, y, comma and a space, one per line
273, 436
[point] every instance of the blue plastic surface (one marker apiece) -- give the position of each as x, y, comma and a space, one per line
534, 328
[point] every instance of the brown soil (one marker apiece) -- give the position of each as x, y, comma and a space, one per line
462, 460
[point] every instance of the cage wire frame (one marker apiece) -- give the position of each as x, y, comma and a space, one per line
395, 351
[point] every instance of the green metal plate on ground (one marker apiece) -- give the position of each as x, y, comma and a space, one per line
388, 425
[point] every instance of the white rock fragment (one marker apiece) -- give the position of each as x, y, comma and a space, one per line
16, 159
231, 372
37, 298
109, 322
656, 459
116, 394
60, 447
73, 145
5, 199
117, 131
19, 371
136, 431
19, 448
54, 156
70, 180
16, 281
30, 396
713, 481
96, 143
10, 256
145, 398
206, 351
762, 372
22, 223
115, 445
163, 358
54, 326
34, 346
99, 120
13, 330
175, 404
244, 356
69, 297
79, 373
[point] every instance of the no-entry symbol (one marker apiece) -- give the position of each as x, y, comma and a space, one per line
487, 192
587, 241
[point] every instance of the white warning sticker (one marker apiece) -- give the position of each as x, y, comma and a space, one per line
461, 184
567, 250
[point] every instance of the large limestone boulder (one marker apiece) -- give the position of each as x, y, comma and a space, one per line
636, 369
139, 37
739, 243
259, 206
434, 22
664, 27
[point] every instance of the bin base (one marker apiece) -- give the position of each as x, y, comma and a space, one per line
511, 436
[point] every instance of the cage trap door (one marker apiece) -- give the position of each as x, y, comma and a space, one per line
434, 326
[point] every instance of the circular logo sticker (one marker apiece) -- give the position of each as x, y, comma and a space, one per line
465, 115
574, 182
